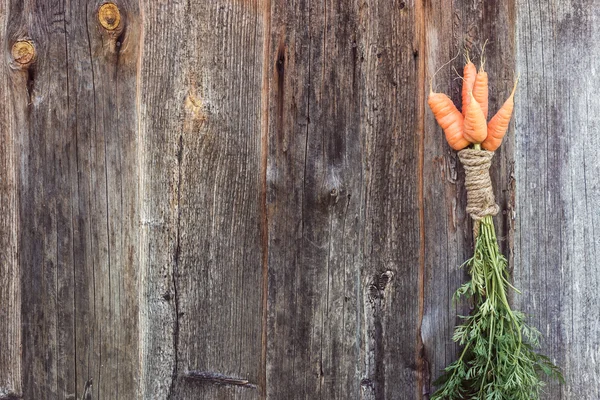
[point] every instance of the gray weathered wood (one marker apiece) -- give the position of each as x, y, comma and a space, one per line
558, 187
202, 265
244, 199
74, 124
10, 290
343, 201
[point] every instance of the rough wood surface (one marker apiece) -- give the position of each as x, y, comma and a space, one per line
557, 239
342, 201
74, 123
248, 199
200, 91
10, 290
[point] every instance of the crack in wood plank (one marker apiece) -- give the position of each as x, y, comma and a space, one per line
218, 379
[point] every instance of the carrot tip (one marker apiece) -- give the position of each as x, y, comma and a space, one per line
483, 55
515, 86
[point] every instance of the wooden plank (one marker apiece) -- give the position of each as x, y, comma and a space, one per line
448, 229
38, 231
392, 113
446, 225
115, 57
201, 82
10, 290
75, 127
158, 191
342, 200
558, 188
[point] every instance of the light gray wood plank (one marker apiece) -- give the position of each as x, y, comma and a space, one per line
558, 188
202, 287
10, 282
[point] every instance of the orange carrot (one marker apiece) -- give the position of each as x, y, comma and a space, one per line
449, 118
475, 129
480, 87
469, 75
498, 125
480, 90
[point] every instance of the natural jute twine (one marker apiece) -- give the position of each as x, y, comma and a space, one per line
480, 195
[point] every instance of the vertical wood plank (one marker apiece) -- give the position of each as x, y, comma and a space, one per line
448, 229
313, 201
558, 188
342, 200
38, 237
391, 122
115, 55
10, 290
159, 102
203, 268
76, 134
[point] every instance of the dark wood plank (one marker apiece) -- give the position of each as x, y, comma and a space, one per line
448, 229
310, 191
75, 114
201, 82
342, 200
558, 188
37, 219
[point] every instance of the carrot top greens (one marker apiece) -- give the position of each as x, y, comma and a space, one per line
499, 361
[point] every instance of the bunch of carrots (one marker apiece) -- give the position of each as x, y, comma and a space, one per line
462, 129
499, 360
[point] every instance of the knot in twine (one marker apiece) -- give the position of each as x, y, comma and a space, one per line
480, 195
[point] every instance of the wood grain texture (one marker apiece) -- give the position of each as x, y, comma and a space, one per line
342, 201
10, 289
248, 199
202, 272
558, 188
74, 125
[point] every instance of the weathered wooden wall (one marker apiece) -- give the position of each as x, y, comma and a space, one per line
557, 239
249, 198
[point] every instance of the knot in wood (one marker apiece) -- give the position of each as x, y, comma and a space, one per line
109, 16
480, 194
23, 52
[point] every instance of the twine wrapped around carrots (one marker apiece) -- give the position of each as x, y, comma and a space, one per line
480, 194
499, 358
